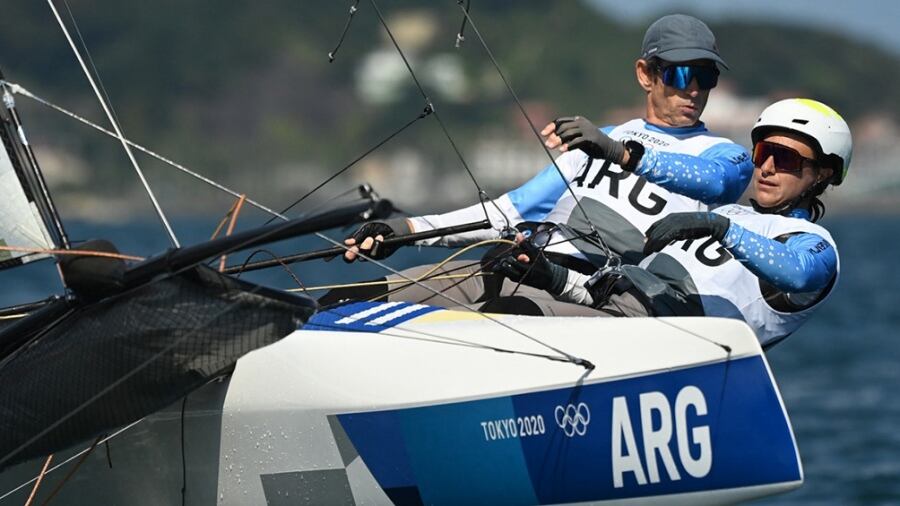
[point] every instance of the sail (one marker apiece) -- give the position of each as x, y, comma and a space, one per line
21, 221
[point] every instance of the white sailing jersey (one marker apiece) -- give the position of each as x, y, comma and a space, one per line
622, 205
728, 289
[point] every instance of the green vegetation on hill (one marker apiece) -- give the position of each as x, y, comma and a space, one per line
235, 85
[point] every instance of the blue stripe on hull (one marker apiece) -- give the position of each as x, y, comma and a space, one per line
366, 316
556, 446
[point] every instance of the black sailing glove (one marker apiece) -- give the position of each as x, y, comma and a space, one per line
387, 228
681, 226
579, 133
539, 273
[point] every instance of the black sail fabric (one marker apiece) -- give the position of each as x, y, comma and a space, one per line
112, 362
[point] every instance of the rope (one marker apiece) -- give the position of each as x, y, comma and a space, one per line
40, 478
73, 457
223, 221
88, 253
71, 472
467, 248
235, 211
383, 282
449, 259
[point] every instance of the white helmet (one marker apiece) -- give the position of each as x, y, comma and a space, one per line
812, 119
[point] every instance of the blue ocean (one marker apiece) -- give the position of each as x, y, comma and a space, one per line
839, 375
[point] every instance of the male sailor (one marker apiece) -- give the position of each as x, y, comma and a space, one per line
624, 177
770, 264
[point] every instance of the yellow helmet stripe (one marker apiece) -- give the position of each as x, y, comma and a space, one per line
819, 107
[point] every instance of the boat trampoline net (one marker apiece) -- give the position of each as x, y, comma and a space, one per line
109, 363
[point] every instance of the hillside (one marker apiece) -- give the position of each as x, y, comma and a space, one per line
246, 94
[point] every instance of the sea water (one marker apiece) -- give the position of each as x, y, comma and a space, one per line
839, 375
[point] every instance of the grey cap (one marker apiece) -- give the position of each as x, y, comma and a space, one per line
678, 38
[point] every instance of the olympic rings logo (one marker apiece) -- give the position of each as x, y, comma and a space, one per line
573, 419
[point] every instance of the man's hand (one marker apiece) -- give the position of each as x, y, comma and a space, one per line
367, 239
682, 226
527, 265
578, 133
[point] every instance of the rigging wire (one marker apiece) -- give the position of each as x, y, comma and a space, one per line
90, 59
73, 457
430, 105
594, 232
116, 127
21, 90
183, 454
71, 473
353, 8
450, 341
428, 110
283, 265
461, 34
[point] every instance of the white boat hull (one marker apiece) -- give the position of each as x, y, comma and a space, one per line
400, 411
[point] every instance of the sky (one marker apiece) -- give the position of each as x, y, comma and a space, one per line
875, 21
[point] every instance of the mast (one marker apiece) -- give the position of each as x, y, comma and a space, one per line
34, 183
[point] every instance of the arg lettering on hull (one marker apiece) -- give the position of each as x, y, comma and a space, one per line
712, 427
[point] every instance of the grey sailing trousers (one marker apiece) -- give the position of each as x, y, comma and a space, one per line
469, 291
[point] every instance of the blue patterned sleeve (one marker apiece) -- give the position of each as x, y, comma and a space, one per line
718, 175
804, 263
535, 199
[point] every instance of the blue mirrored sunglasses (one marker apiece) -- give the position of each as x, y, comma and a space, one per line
680, 76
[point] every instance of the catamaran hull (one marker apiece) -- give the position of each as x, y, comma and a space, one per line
415, 410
